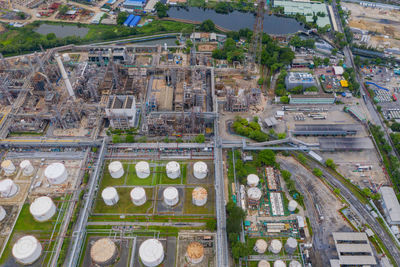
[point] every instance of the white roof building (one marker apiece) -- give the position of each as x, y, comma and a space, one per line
338, 70
390, 205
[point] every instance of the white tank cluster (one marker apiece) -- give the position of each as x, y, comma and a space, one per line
263, 263
254, 193
116, 169
151, 252
56, 173
26, 167
200, 170
292, 206
171, 196
173, 169
8, 167
199, 196
275, 246
42, 209
138, 196
27, 250
8, 188
260, 246
291, 245
3, 213
195, 253
252, 180
279, 263
294, 263
142, 169
103, 252
110, 196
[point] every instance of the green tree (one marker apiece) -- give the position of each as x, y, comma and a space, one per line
302, 158
284, 99
130, 138
200, 138
266, 158
317, 172
211, 225
21, 15
161, 9
336, 191
286, 175
63, 9
116, 139
207, 25
326, 61
330, 164
122, 16
51, 36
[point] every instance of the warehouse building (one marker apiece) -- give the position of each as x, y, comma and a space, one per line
390, 205
325, 129
304, 79
345, 143
317, 99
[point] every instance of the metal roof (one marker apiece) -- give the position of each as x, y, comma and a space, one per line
391, 203
345, 143
325, 129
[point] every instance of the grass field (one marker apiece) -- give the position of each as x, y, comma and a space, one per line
163, 178
189, 208
133, 179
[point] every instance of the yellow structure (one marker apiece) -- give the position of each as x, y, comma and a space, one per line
344, 83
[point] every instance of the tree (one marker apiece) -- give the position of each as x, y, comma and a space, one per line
367, 192
207, 25
336, 191
130, 138
330, 164
21, 15
223, 8
63, 9
302, 159
284, 99
51, 36
286, 175
161, 10
116, 139
122, 16
189, 43
317, 172
211, 225
266, 157
200, 138
326, 61
334, 51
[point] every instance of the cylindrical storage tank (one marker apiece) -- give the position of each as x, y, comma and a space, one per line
195, 253
66, 57
279, 263
294, 264
27, 250
103, 252
254, 193
199, 196
173, 169
110, 196
56, 173
292, 206
291, 245
26, 167
142, 169
151, 252
252, 180
8, 188
263, 263
200, 170
138, 196
8, 167
171, 196
275, 246
42, 209
116, 169
260, 246
3, 213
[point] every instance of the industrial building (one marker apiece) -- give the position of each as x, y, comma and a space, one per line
312, 99
304, 79
121, 111
325, 129
390, 205
345, 143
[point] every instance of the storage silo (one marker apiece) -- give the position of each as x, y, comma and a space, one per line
263, 263
142, 169
3, 213
8, 188
200, 170
275, 246
294, 263
26, 167
173, 169
279, 263
252, 180
199, 196
195, 253
42, 209
260, 246
138, 196
151, 252
103, 252
27, 250
171, 196
254, 193
8, 167
116, 169
291, 245
110, 196
56, 173
292, 206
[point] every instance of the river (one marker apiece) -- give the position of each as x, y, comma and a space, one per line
237, 20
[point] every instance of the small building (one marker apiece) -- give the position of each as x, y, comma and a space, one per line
294, 79
121, 111
97, 18
338, 70
131, 5
390, 205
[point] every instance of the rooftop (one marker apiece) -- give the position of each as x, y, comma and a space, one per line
391, 203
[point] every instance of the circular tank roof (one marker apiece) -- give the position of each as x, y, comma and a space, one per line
254, 193
291, 242
263, 263
172, 166
6, 184
24, 164
6, 163
142, 166
115, 166
252, 178
261, 244
54, 170
199, 193
151, 250
103, 250
200, 166
41, 206
195, 250
25, 247
170, 192
279, 263
109, 193
138, 192
294, 264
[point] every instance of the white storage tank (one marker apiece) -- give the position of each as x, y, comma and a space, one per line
142, 169
260, 246
151, 252
171, 196
252, 180
263, 263
116, 169
275, 246
56, 173
110, 196
279, 263
103, 252
26, 167
8, 167
66, 57
199, 196
42, 209
138, 196
254, 193
200, 170
27, 250
294, 263
195, 253
291, 245
3, 213
8, 188
173, 169
292, 206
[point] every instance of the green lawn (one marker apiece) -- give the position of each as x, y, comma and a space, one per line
133, 179
163, 178
189, 208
